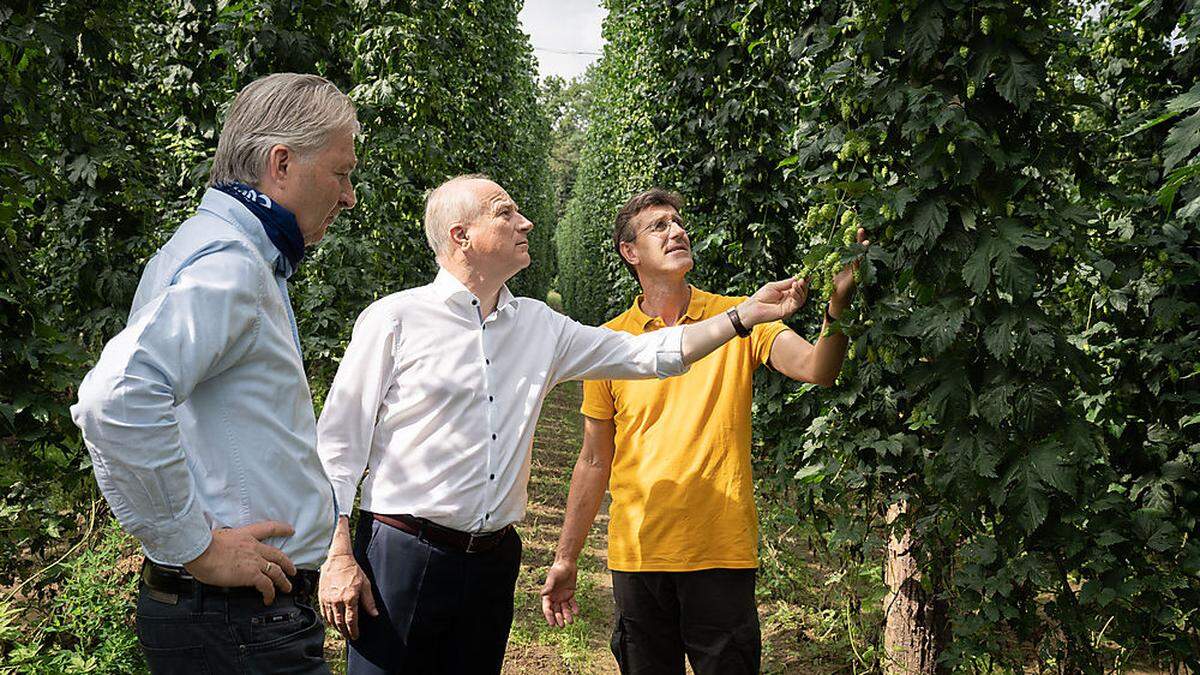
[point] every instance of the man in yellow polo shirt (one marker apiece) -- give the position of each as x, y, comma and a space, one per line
675, 454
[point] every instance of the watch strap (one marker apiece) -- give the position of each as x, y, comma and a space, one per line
738, 326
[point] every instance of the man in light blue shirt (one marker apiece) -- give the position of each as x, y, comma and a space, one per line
198, 415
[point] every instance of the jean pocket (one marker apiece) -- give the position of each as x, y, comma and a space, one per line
271, 628
177, 660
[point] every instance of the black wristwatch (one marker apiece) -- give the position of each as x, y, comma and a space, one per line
829, 317
738, 327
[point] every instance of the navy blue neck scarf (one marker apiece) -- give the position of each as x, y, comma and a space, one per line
279, 223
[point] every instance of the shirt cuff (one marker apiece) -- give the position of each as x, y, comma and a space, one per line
669, 361
179, 541
343, 494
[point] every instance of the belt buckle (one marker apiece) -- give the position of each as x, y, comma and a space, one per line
471, 539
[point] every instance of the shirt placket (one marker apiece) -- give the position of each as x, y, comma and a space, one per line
493, 439
287, 302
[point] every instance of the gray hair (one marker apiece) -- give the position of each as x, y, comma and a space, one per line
295, 110
448, 204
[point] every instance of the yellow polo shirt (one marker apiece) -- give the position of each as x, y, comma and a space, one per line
682, 495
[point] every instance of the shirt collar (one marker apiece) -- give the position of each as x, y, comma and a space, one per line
234, 212
450, 290
695, 309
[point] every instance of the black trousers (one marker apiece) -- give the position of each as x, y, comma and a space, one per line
709, 615
440, 611
205, 632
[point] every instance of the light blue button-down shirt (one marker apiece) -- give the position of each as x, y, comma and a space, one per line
198, 414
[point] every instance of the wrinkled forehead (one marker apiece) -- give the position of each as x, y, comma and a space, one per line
491, 196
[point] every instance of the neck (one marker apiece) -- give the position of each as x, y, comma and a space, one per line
272, 190
484, 286
665, 297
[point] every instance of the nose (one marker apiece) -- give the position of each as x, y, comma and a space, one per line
347, 200
677, 232
526, 224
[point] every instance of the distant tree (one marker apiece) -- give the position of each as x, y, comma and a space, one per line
567, 102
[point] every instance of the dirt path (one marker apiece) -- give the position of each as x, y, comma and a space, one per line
582, 647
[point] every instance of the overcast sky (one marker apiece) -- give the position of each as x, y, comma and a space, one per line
565, 34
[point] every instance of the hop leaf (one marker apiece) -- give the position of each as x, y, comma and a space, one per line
1019, 81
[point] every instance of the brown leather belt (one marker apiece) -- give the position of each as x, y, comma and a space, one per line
177, 581
464, 542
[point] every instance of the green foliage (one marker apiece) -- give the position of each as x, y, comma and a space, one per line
1023, 356
616, 162
87, 626
568, 104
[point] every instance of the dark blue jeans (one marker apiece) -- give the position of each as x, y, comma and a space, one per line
440, 611
211, 632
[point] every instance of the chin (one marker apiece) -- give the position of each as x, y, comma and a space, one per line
315, 235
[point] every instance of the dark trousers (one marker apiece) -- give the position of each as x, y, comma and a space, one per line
440, 610
205, 632
709, 615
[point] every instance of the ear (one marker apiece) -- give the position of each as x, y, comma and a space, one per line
459, 237
279, 162
629, 252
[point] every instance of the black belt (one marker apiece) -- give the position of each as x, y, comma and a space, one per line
176, 580
464, 542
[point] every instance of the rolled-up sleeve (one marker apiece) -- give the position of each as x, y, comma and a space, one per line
347, 425
198, 327
591, 353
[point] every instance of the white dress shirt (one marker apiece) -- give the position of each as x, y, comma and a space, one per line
198, 414
440, 403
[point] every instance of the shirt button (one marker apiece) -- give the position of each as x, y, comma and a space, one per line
483, 328
486, 516
493, 437
492, 477
487, 361
490, 399
474, 302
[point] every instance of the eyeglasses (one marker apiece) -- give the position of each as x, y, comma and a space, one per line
660, 227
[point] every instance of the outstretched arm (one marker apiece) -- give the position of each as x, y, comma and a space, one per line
774, 301
587, 353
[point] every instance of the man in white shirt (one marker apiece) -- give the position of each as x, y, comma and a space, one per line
437, 398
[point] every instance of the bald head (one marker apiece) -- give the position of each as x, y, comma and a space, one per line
458, 200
